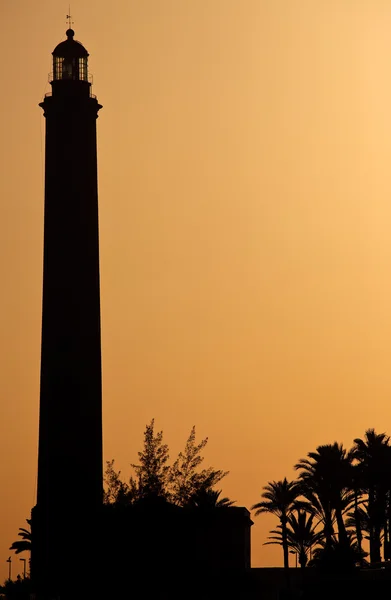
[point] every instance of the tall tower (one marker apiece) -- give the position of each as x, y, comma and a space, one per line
70, 486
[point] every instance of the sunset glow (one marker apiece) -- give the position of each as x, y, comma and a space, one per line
245, 218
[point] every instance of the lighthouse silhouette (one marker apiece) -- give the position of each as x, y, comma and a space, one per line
70, 486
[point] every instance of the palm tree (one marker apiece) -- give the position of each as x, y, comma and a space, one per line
207, 498
23, 545
387, 521
313, 505
359, 519
373, 456
337, 556
279, 498
325, 479
301, 535
355, 519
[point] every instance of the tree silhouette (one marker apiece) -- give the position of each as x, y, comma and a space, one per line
117, 491
279, 498
152, 471
23, 545
355, 519
373, 455
184, 481
347, 489
387, 519
155, 480
326, 477
360, 517
301, 534
338, 556
207, 498
20, 589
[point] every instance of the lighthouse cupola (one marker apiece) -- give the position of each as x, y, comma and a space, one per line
70, 67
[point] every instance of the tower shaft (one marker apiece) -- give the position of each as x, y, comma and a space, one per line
70, 434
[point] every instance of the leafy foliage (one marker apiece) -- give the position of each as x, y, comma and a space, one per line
301, 535
279, 499
373, 454
23, 545
337, 556
117, 491
341, 499
17, 590
152, 471
206, 498
183, 483
326, 477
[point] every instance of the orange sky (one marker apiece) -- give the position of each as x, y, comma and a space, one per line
245, 217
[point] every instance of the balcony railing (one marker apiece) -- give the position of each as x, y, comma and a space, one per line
88, 78
49, 94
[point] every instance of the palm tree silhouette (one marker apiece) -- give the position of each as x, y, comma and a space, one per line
325, 479
359, 517
23, 545
387, 520
373, 456
279, 498
337, 556
301, 534
208, 498
355, 519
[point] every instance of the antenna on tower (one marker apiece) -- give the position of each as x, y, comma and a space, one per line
69, 18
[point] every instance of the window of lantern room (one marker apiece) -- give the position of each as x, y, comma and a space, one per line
83, 75
57, 67
68, 69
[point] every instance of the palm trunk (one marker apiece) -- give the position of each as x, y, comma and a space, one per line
372, 533
357, 521
377, 520
285, 548
371, 546
285, 545
387, 547
385, 538
328, 528
343, 538
358, 525
376, 545
303, 558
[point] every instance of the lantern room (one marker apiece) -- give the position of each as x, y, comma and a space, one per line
70, 63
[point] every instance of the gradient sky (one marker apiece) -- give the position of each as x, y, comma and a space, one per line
245, 219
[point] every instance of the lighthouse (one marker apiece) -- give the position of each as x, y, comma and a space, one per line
70, 485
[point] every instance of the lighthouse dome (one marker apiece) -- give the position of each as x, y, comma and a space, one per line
70, 48
70, 60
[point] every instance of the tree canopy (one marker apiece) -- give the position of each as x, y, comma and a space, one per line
183, 483
340, 501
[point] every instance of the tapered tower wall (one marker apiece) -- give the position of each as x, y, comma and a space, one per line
70, 434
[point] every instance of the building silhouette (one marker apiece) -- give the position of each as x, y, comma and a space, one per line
69, 491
